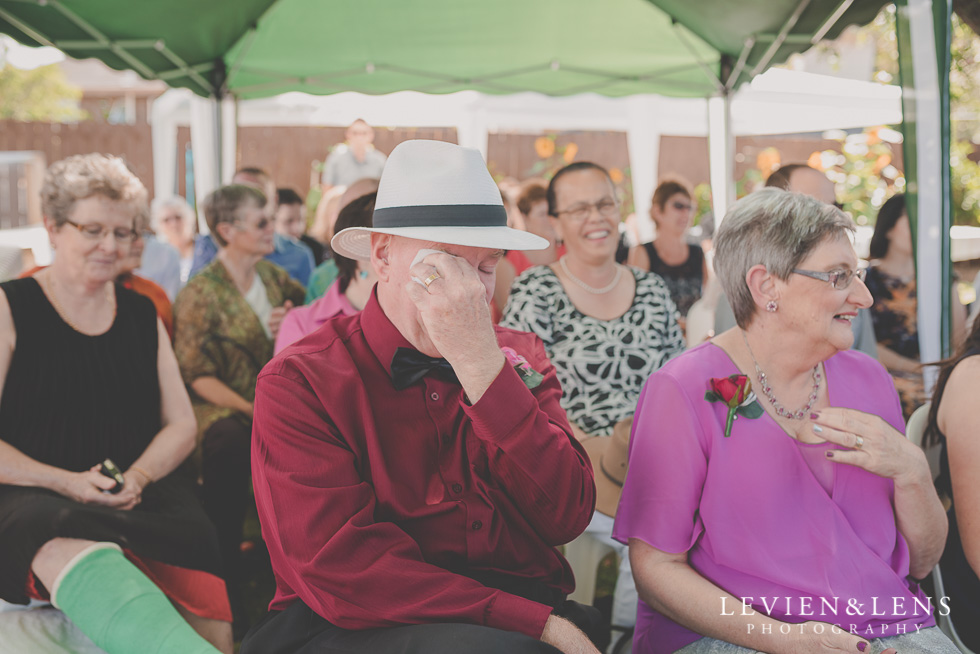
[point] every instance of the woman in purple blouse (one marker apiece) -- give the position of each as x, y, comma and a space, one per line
802, 524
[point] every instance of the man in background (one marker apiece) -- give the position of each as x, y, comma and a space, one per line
354, 159
291, 222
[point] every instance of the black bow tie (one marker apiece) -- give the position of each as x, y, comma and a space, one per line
409, 366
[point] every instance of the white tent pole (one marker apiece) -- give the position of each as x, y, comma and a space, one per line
229, 138
204, 142
643, 140
721, 151
928, 186
163, 136
472, 130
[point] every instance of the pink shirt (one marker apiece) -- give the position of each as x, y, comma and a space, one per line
754, 518
303, 320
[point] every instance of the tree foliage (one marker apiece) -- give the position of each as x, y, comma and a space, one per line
41, 94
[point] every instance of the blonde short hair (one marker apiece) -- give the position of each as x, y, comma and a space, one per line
84, 175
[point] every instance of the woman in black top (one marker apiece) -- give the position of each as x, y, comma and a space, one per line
681, 264
953, 424
87, 374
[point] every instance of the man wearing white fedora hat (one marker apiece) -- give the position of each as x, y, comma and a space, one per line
413, 469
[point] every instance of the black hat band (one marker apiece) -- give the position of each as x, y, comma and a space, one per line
441, 215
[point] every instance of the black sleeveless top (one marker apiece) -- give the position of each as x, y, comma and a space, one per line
961, 582
684, 281
71, 400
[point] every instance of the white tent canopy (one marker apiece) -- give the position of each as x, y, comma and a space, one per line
777, 102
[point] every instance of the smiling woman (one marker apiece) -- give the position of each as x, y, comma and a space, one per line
763, 507
606, 327
681, 265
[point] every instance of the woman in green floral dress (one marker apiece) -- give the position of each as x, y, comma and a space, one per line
226, 320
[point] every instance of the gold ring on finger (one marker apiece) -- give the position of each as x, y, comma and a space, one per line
858, 442
431, 278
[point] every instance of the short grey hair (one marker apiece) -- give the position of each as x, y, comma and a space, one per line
173, 202
777, 229
222, 206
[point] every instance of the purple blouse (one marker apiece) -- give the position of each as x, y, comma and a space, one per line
754, 518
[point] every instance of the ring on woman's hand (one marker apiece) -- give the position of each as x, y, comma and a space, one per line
858, 442
431, 278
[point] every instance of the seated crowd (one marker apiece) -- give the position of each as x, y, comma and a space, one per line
424, 435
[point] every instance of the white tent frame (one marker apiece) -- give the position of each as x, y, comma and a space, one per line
775, 102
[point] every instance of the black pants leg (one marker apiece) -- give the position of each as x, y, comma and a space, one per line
298, 630
226, 471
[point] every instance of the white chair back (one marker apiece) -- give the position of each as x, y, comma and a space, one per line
700, 322
915, 430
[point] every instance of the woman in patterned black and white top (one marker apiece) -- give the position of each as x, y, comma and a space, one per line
606, 327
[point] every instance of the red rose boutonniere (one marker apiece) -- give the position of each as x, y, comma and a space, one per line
735, 392
531, 377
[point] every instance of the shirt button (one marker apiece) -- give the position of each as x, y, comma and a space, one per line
435, 397
457, 488
477, 525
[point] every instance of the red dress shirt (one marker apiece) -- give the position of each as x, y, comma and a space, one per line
378, 506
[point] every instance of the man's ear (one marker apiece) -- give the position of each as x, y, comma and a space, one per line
380, 244
762, 285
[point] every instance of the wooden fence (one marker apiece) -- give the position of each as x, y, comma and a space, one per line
291, 153
57, 141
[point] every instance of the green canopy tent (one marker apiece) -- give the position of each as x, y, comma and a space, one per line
257, 48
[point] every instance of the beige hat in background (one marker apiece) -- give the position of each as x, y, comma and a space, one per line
609, 462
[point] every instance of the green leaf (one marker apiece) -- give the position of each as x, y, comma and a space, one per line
711, 396
753, 410
531, 378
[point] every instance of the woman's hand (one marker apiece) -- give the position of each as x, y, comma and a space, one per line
821, 637
276, 316
873, 445
91, 487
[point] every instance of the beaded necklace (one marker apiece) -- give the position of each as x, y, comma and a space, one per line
799, 414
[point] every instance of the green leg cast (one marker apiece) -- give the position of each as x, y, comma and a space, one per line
120, 609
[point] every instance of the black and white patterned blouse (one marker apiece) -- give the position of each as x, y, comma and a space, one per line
601, 364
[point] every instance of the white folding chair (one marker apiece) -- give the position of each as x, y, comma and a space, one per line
915, 430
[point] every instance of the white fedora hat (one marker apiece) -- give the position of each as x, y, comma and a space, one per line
436, 191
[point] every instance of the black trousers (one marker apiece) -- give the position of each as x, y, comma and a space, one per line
226, 470
298, 630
